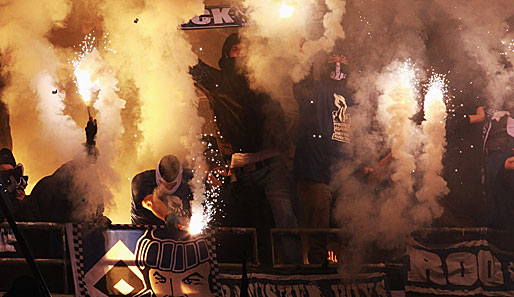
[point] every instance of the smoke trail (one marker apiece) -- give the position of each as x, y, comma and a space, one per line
151, 51
31, 65
433, 184
273, 42
486, 39
94, 76
396, 107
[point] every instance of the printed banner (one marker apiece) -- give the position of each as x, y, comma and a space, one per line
217, 17
467, 268
330, 285
140, 261
7, 240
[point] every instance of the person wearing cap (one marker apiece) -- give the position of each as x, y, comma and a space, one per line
161, 191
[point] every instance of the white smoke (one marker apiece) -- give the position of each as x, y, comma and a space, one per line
434, 132
151, 52
287, 46
31, 66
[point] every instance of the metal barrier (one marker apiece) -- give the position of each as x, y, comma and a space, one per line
63, 261
298, 232
237, 230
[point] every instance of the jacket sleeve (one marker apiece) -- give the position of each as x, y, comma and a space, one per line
204, 75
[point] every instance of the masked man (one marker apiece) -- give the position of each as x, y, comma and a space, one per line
167, 186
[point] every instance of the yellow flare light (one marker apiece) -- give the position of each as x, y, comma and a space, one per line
84, 84
197, 224
286, 10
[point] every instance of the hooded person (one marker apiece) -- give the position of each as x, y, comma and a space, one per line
252, 134
168, 185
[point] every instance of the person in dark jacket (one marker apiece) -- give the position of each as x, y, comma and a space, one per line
323, 136
498, 148
166, 185
252, 134
74, 192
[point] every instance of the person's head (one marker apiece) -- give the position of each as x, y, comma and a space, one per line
232, 48
168, 174
7, 163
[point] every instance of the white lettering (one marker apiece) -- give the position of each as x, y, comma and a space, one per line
355, 290
202, 20
367, 288
462, 268
222, 16
312, 290
270, 291
425, 266
225, 290
490, 269
380, 289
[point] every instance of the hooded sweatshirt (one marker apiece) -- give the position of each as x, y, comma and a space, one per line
249, 121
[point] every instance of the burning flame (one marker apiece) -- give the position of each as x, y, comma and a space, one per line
84, 84
286, 10
82, 75
197, 224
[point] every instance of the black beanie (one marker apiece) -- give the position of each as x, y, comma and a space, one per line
6, 157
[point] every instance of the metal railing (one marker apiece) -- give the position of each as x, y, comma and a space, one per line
63, 261
297, 232
241, 231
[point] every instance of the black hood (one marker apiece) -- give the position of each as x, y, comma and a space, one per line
226, 62
6, 157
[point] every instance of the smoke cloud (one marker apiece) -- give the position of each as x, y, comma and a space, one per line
153, 54
31, 67
285, 46
145, 62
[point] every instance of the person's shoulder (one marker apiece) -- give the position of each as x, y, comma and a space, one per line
144, 174
145, 177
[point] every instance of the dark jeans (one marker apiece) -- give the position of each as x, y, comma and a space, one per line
499, 203
314, 206
276, 182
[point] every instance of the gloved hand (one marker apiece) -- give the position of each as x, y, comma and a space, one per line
172, 222
91, 129
103, 222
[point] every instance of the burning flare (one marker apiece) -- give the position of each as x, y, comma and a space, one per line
286, 10
197, 223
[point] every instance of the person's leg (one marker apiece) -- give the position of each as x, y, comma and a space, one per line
278, 187
314, 212
496, 197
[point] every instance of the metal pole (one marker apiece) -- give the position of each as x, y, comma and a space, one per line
21, 242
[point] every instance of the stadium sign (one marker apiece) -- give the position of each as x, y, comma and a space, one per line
217, 17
